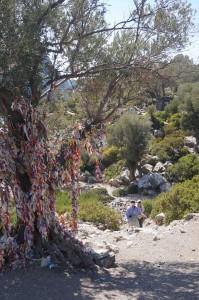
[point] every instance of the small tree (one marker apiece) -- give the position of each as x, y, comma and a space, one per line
131, 133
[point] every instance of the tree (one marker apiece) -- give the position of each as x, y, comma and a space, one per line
131, 133
43, 41
189, 103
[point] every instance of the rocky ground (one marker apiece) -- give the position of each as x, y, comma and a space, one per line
156, 262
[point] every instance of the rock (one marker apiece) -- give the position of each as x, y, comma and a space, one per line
112, 248
191, 216
158, 133
159, 167
143, 183
125, 176
83, 178
159, 219
167, 164
119, 238
156, 180
190, 141
165, 187
91, 179
115, 182
104, 259
147, 168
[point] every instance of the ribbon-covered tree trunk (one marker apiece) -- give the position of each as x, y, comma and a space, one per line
30, 173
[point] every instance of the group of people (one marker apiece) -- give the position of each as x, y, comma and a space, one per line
135, 214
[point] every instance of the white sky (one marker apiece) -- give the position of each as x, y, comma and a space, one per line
119, 9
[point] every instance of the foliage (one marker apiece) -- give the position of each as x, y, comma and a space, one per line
148, 206
92, 207
182, 199
172, 107
186, 168
131, 133
110, 155
121, 192
114, 170
158, 119
96, 212
170, 148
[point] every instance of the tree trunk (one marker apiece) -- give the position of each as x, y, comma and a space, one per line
30, 174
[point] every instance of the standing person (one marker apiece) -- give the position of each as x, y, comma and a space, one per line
132, 214
141, 217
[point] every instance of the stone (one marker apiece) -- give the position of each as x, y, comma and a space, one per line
165, 187
115, 182
156, 180
105, 260
159, 219
159, 167
91, 179
147, 168
143, 182
191, 216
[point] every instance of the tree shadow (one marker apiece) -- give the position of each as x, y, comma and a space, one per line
134, 280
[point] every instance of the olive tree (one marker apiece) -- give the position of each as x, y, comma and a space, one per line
131, 133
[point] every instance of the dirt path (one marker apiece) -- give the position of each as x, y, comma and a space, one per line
154, 263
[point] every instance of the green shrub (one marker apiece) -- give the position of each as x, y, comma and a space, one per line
148, 206
96, 194
170, 148
114, 170
91, 207
96, 212
63, 202
110, 155
121, 192
182, 199
172, 107
161, 116
186, 168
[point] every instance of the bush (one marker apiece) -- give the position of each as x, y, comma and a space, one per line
186, 168
170, 148
96, 212
114, 170
148, 206
182, 199
121, 192
91, 207
110, 155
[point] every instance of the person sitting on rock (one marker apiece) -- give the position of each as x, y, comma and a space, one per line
132, 214
140, 217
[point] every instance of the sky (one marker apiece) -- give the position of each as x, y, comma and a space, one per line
118, 10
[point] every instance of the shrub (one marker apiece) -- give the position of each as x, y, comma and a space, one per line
63, 202
161, 117
96, 212
110, 155
148, 206
186, 168
91, 207
182, 199
114, 170
96, 194
170, 148
121, 192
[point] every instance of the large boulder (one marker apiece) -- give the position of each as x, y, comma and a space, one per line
156, 180
125, 176
165, 187
143, 182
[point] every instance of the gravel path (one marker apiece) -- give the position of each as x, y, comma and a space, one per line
152, 263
